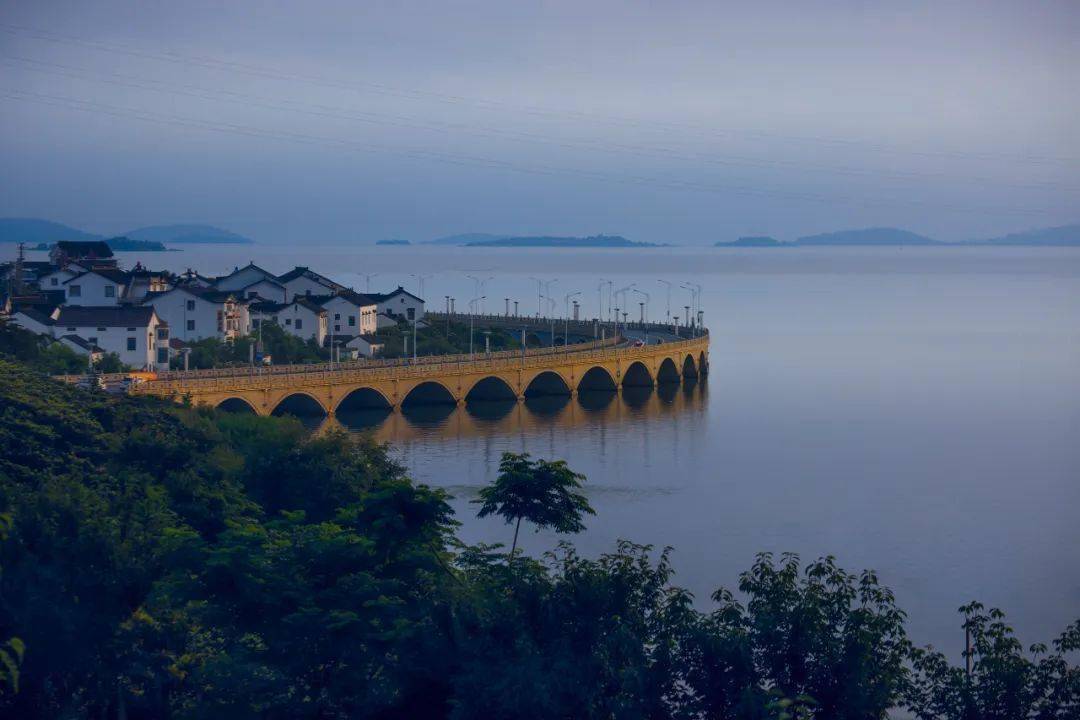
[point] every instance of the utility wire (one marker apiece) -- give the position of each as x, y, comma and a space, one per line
476, 161
391, 120
483, 103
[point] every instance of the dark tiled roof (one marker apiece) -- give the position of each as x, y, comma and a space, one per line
300, 271
356, 298
208, 294
383, 297
117, 276
37, 314
109, 316
85, 248
306, 303
84, 344
266, 306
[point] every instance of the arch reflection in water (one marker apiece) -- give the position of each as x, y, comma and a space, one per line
591, 409
300, 405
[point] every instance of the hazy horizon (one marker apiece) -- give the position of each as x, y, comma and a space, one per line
685, 124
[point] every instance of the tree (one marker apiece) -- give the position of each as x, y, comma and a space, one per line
546, 493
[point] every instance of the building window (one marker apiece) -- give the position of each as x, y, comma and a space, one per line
190, 304
253, 293
110, 291
288, 322
352, 321
411, 312
131, 344
101, 329
190, 324
92, 340
163, 355
163, 333
337, 328
337, 316
54, 281
74, 291
299, 323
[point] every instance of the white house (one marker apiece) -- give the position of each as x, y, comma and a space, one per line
141, 282
366, 345
304, 281
194, 313
399, 304
35, 319
55, 279
241, 278
301, 317
134, 332
81, 346
264, 289
100, 286
349, 313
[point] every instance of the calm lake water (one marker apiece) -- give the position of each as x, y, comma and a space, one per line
912, 410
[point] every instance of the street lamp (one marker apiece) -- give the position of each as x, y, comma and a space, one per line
566, 318
472, 315
667, 284
644, 312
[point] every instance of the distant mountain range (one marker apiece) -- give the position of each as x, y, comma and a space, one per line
1064, 236
464, 239
183, 234
34, 231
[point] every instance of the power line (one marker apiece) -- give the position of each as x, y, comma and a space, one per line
474, 161
483, 103
391, 120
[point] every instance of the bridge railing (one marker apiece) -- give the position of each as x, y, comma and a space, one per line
579, 326
439, 365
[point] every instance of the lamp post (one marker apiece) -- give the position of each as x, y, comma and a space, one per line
667, 287
644, 312
367, 280
472, 315
566, 318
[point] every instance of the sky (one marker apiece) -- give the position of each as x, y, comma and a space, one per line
681, 122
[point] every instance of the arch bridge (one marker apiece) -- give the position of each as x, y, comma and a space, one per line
450, 379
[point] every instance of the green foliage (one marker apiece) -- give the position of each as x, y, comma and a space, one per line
39, 351
12, 649
1005, 682
284, 348
444, 339
168, 561
546, 493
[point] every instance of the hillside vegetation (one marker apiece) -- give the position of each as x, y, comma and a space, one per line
163, 561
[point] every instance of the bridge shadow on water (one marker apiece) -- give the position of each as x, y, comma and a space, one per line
483, 417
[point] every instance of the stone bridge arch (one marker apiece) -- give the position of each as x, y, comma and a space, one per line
689, 368
362, 397
549, 381
599, 378
298, 403
238, 405
637, 374
427, 392
667, 372
490, 388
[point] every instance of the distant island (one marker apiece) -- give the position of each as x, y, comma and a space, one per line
868, 236
600, 241
36, 232
752, 241
1062, 236
120, 244
465, 239
189, 234
393, 241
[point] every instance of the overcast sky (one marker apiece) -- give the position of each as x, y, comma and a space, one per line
684, 122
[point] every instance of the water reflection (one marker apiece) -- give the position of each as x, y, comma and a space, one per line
591, 409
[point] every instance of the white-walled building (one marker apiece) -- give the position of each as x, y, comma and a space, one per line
264, 289
366, 345
349, 313
399, 304
96, 287
304, 281
35, 320
134, 332
301, 317
194, 313
241, 278
142, 282
55, 279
